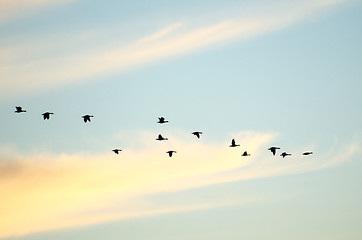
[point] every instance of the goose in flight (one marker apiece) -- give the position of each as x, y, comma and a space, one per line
86, 118
162, 120
170, 153
160, 138
284, 154
197, 134
116, 151
245, 154
19, 109
273, 149
307, 153
233, 143
46, 115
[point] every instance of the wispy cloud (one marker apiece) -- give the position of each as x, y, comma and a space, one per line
44, 192
22, 75
12, 9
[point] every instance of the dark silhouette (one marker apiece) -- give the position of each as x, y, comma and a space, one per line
233, 143
245, 154
116, 151
86, 118
160, 138
170, 153
273, 149
46, 115
307, 153
19, 109
197, 134
284, 154
162, 120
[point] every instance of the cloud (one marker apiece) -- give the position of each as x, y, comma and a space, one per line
13, 9
47, 192
60, 66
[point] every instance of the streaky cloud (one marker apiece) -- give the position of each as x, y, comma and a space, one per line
27, 75
89, 189
15, 9
162, 33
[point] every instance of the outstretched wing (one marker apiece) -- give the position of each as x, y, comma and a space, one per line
197, 134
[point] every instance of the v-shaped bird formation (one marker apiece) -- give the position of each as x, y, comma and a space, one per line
162, 120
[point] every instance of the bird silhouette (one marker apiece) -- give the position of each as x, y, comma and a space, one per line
307, 153
46, 115
170, 153
197, 134
116, 151
233, 143
284, 154
162, 120
160, 138
19, 109
86, 118
273, 149
245, 154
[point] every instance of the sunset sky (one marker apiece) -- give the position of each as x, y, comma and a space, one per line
284, 73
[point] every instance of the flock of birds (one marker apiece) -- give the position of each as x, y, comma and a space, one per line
161, 120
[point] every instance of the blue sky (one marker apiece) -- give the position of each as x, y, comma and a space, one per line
283, 73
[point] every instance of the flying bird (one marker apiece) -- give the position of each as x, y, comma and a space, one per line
233, 143
19, 109
170, 153
162, 120
307, 153
197, 134
284, 154
46, 115
116, 151
245, 154
86, 118
160, 138
273, 149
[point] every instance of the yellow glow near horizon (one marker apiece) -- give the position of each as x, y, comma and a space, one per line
51, 192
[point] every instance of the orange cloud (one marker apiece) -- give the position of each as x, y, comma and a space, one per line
46, 192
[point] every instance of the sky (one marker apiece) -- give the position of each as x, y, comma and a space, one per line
282, 73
